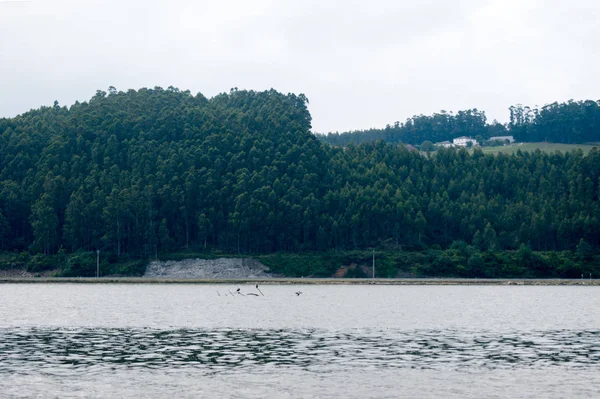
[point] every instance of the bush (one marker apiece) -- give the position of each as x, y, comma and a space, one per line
132, 268
11, 260
356, 272
39, 263
80, 264
302, 265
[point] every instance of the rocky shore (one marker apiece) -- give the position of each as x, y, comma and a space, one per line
222, 268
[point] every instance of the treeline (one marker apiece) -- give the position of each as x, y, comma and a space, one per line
573, 122
458, 260
435, 128
142, 172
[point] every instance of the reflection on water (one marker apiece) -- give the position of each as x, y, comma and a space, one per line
356, 342
60, 350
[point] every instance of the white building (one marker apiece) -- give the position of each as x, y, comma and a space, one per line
444, 144
462, 141
510, 139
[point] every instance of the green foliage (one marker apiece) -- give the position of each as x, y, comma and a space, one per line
427, 146
476, 266
436, 128
165, 241
490, 240
133, 268
569, 123
584, 250
39, 263
460, 260
12, 260
4, 232
80, 264
303, 265
141, 174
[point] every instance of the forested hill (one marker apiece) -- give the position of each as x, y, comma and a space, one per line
136, 171
573, 122
154, 170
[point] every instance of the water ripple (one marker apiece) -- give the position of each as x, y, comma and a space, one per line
56, 351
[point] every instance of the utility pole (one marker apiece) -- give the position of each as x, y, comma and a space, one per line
97, 263
373, 263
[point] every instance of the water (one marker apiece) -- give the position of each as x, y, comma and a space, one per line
135, 341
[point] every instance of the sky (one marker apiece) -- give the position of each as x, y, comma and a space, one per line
361, 64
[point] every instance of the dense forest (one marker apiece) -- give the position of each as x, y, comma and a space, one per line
574, 122
152, 171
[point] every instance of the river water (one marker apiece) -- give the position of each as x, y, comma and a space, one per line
368, 341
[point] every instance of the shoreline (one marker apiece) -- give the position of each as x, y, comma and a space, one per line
296, 281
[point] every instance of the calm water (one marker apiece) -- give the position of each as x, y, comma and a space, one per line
135, 341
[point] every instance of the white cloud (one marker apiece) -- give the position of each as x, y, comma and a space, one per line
361, 64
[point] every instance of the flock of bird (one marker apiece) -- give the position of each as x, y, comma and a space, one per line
239, 292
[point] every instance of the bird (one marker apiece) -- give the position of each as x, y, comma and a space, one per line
259, 290
298, 293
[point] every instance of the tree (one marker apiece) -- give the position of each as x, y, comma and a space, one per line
156, 169
204, 228
4, 232
420, 224
583, 250
477, 240
164, 238
490, 240
45, 225
476, 265
427, 146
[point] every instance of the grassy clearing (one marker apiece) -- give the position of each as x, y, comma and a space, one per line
544, 147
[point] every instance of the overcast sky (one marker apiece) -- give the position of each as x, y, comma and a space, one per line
361, 64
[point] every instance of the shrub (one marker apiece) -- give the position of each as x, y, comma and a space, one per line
80, 264
39, 263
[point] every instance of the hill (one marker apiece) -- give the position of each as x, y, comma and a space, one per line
573, 122
139, 173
